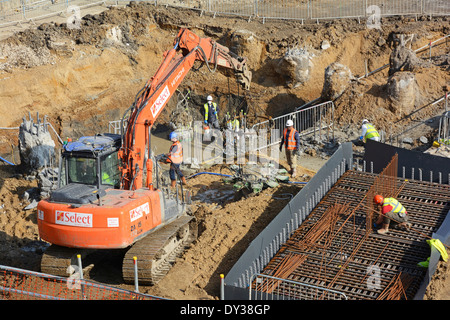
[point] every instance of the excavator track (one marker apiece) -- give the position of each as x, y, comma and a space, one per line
61, 261
158, 251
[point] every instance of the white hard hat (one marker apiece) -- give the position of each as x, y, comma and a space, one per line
289, 123
365, 121
209, 98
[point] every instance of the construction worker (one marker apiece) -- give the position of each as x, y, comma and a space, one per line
391, 209
369, 132
211, 110
175, 158
291, 140
233, 125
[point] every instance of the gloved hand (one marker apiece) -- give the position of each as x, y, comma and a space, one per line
206, 121
360, 137
297, 152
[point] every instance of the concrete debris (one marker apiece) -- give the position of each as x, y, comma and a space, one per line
20, 56
405, 59
47, 181
403, 92
36, 146
246, 44
337, 79
252, 179
296, 66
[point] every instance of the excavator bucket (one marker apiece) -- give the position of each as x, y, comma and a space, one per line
244, 78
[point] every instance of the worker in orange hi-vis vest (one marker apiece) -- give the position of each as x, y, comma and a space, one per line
175, 158
291, 140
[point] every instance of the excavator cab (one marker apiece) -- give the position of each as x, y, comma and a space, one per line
88, 167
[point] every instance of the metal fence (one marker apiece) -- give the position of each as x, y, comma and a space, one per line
19, 11
19, 284
16, 12
315, 121
265, 287
420, 121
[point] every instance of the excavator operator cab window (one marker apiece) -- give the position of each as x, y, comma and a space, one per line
110, 170
82, 170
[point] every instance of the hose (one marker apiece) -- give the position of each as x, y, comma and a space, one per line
212, 173
1, 158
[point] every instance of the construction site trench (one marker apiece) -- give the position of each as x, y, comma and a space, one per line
81, 79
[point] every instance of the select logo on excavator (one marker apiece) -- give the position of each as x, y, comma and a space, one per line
161, 101
138, 212
73, 219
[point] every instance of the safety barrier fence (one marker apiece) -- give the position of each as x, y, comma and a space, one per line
19, 284
289, 290
315, 121
17, 11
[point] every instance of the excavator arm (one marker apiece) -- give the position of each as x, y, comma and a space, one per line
152, 98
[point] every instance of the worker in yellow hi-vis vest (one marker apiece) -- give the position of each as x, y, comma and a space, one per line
369, 132
211, 113
391, 209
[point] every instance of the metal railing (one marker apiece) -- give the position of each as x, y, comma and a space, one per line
420, 120
312, 121
265, 287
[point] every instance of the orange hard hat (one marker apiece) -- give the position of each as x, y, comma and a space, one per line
378, 199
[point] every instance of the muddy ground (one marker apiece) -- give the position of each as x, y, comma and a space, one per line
83, 78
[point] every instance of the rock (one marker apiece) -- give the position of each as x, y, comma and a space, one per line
296, 66
423, 139
337, 79
381, 42
325, 45
32, 205
408, 140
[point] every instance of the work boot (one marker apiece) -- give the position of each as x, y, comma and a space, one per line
183, 181
294, 172
173, 183
384, 229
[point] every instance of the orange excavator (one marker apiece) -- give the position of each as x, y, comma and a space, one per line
106, 198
